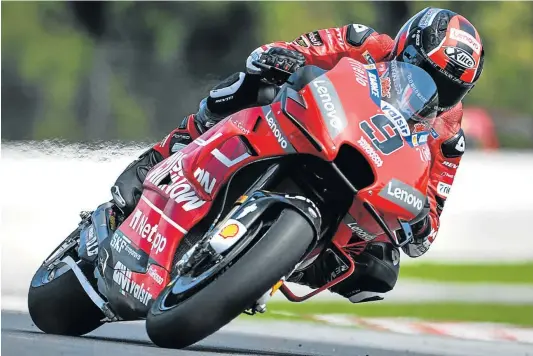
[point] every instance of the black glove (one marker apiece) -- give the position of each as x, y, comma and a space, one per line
285, 59
421, 228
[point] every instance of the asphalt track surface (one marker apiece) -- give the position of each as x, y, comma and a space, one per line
21, 337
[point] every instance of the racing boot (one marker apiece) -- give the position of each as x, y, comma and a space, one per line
234, 93
376, 272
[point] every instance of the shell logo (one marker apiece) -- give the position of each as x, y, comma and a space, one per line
229, 231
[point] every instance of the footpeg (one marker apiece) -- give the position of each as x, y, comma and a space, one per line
260, 305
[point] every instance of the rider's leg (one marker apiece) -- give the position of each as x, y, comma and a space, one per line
234, 93
376, 272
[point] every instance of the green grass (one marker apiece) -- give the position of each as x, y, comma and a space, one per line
497, 313
520, 273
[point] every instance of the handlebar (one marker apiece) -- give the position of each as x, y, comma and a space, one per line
272, 74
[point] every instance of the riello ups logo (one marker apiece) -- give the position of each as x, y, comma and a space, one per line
122, 277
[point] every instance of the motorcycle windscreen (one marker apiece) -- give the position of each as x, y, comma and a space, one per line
394, 94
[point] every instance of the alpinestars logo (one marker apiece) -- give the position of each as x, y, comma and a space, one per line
122, 277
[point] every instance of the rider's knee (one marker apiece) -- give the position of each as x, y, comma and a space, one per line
127, 189
376, 272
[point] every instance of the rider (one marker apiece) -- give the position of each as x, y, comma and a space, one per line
443, 43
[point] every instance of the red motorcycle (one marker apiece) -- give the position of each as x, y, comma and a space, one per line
336, 160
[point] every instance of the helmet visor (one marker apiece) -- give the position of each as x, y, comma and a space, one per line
450, 89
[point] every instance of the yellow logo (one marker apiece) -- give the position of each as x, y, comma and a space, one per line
229, 231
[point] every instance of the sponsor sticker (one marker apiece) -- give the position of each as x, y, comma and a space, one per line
375, 85
229, 231
228, 234
403, 195
446, 174
369, 150
466, 38
460, 56
240, 126
368, 57
428, 17
203, 177
450, 164
152, 272
247, 210
139, 223
360, 232
425, 153
92, 242
122, 277
300, 41
360, 73
278, 133
119, 243
395, 117
308, 201
315, 39
385, 87
417, 139
443, 189
330, 106
179, 189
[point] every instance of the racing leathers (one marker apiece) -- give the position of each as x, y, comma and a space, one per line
378, 266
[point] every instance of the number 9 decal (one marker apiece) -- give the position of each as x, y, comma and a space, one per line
390, 143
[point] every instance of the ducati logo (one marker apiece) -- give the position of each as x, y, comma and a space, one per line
460, 57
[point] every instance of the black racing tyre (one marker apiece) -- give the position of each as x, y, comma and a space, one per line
61, 306
235, 288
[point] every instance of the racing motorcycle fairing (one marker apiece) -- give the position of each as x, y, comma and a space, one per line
339, 117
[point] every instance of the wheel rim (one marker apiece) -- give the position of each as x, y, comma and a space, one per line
183, 287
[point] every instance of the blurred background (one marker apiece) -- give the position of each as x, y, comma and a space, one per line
130, 70
109, 73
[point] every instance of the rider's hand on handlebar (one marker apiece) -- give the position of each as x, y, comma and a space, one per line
281, 58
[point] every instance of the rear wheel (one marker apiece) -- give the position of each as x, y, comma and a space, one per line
58, 304
232, 289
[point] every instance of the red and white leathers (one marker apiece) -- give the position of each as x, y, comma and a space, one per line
324, 48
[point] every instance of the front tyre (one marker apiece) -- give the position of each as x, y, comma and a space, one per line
233, 289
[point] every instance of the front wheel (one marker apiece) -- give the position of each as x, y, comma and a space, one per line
234, 288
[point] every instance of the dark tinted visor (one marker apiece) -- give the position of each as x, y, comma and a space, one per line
451, 91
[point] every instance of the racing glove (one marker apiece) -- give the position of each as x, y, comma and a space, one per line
285, 59
421, 228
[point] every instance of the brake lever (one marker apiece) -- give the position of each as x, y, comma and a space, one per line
277, 75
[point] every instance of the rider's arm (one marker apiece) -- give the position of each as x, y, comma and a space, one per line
324, 48
446, 152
